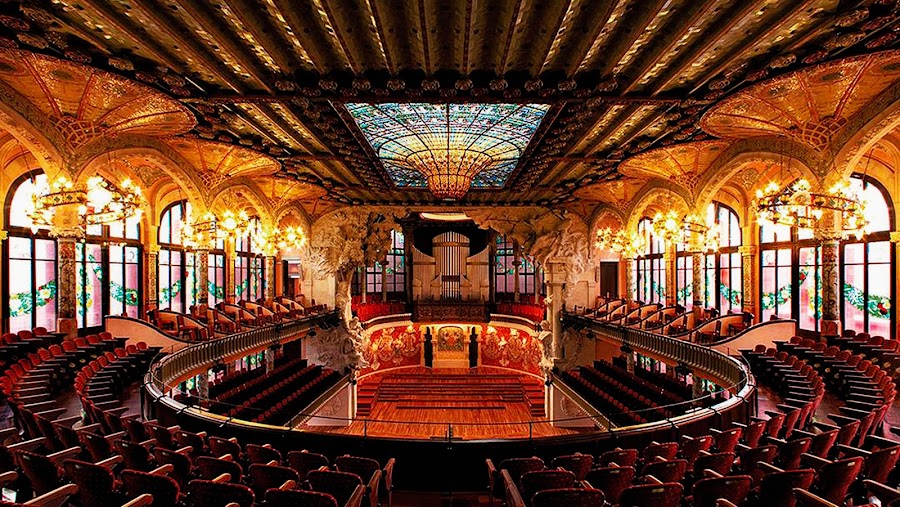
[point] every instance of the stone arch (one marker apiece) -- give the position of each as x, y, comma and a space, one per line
872, 123
34, 131
137, 146
764, 151
654, 191
604, 214
241, 188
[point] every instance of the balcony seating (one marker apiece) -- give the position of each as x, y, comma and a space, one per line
612, 480
515, 467
219, 494
579, 464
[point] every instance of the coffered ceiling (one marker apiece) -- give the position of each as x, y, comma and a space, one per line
622, 77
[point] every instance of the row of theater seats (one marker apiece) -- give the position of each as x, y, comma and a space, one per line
661, 380
886, 353
621, 396
150, 464
276, 397
645, 387
110, 458
744, 465
530, 311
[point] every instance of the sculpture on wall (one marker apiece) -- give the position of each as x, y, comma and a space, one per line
547, 235
342, 242
545, 337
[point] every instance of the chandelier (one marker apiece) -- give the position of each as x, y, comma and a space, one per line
796, 204
698, 236
449, 170
99, 201
668, 226
203, 233
628, 245
275, 240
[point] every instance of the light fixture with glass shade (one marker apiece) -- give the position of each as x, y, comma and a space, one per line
272, 241
628, 245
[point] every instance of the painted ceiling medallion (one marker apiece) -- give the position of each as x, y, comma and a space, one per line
86, 103
681, 163
448, 148
808, 105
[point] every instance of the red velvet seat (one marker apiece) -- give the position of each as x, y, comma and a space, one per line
540, 480
97, 487
219, 494
295, 498
164, 489
266, 477
666, 471
303, 462
611, 480
734, 488
340, 485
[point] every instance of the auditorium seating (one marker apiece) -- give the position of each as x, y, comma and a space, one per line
622, 397
275, 397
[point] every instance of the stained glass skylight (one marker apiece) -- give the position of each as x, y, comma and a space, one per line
448, 147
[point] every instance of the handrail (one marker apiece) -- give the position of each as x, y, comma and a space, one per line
692, 355
189, 359
319, 402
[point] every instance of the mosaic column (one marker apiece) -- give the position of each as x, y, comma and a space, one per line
669, 261
66, 241
831, 290
556, 277
698, 284
748, 298
151, 254
270, 277
202, 267
229, 271
629, 278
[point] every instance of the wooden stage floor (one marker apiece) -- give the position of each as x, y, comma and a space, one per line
421, 403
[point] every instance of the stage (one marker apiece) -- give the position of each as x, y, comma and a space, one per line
423, 403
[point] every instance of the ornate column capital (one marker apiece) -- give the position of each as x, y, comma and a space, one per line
746, 250
151, 249
71, 233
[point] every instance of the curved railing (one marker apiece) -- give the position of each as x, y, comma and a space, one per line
449, 442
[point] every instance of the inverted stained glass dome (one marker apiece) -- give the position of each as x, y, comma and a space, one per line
448, 148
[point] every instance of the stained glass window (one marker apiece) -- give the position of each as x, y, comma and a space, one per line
867, 283
175, 269
249, 268
395, 267
402, 133
650, 274
684, 270
30, 296
216, 278
504, 268
810, 281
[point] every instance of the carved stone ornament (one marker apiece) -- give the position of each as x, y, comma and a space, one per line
557, 235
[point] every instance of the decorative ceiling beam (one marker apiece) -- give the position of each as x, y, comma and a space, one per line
178, 33
706, 41
306, 24
128, 28
205, 18
764, 31
660, 47
268, 36
599, 18
611, 56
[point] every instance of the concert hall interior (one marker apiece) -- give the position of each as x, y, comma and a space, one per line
449, 253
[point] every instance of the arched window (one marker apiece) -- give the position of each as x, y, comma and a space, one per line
792, 257
30, 296
249, 268
107, 273
722, 270
506, 255
867, 274
649, 267
684, 277
176, 274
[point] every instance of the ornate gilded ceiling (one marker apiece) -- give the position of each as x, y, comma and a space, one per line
808, 105
266, 81
85, 103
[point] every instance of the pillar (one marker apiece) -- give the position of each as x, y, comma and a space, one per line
270, 276
831, 290
151, 255
229, 271
384, 281
203, 386
629, 278
556, 278
629, 361
66, 239
669, 261
748, 270
201, 264
698, 284
516, 264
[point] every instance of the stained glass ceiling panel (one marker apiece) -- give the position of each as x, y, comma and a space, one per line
400, 133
